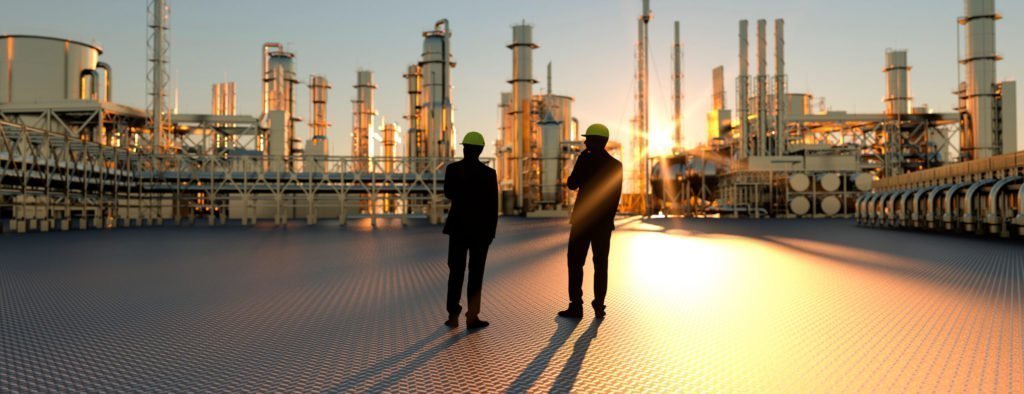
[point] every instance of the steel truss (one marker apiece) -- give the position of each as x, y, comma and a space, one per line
55, 180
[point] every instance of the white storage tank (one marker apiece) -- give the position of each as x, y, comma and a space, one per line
799, 205
830, 205
862, 181
830, 182
41, 69
799, 182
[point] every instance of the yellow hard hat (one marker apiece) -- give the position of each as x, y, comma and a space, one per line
473, 138
596, 130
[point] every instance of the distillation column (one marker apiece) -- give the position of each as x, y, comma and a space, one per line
435, 67
224, 102
416, 143
980, 138
316, 147
159, 47
897, 84
363, 114
780, 89
743, 93
522, 81
279, 84
762, 87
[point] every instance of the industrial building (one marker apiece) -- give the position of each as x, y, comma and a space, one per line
792, 158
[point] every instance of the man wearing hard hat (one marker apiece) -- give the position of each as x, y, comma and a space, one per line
597, 177
472, 188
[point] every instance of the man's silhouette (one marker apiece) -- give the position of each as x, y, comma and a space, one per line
598, 177
472, 187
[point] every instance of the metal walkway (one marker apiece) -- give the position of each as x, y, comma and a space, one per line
724, 306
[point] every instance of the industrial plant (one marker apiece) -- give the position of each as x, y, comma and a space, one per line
77, 159
312, 229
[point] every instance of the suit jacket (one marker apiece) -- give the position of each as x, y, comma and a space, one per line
598, 177
472, 187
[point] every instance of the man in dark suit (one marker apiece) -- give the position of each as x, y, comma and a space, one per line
472, 187
598, 177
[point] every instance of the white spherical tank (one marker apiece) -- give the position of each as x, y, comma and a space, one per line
799, 205
830, 205
39, 69
799, 182
830, 182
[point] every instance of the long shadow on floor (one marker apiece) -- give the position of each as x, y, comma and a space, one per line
567, 378
381, 368
532, 372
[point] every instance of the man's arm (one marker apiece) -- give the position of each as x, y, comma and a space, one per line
578, 174
492, 207
451, 183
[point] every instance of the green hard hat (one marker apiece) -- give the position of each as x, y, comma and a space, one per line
473, 138
596, 130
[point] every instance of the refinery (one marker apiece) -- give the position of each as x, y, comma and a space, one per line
781, 177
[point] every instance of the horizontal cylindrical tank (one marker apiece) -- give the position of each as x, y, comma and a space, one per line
38, 69
830, 205
862, 181
799, 182
829, 182
799, 205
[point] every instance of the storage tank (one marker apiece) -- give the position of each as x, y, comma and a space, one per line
799, 205
862, 181
560, 108
798, 104
829, 182
830, 205
41, 69
799, 182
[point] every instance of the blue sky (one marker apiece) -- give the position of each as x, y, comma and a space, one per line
835, 49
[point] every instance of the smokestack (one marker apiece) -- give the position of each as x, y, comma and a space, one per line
416, 144
363, 113
780, 88
718, 87
549, 79
762, 87
743, 90
677, 78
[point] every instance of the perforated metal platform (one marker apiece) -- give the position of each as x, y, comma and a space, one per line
693, 306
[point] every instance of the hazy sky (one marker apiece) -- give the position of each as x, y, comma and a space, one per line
835, 49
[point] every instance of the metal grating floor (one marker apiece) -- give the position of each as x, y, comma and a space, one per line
728, 305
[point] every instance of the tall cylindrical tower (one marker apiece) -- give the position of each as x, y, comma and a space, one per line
416, 141
979, 134
743, 92
897, 83
363, 113
435, 66
522, 81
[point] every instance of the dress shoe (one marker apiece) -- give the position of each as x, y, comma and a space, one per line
475, 324
574, 312
452, 321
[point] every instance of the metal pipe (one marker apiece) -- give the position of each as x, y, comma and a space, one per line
93, 88
108, 81
968, 216
930, 215
947, 215
995, 217
915, 213
890, 208
903, 206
